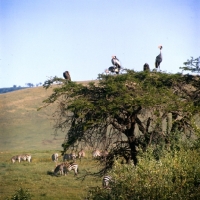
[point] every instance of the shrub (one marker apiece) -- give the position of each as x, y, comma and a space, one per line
175, 176
21, 194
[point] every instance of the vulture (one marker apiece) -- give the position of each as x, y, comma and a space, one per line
146, 67
66, 75
158, 58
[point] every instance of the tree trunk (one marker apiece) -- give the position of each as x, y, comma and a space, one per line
130, 133
133, 151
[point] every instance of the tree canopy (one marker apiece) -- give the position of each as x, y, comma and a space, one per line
122, 113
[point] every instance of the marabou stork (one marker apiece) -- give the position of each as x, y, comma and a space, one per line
116, 63
158, 58
66, 75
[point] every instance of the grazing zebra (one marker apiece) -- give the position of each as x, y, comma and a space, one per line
26, 157
64, 168
71, 166
21, 158
14, 158
54, 157
81, 154
106, 181
96, 154
59, 168
71, 156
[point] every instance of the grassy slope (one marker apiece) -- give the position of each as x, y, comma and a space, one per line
24, 128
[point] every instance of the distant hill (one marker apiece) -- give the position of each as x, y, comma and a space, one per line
11, 89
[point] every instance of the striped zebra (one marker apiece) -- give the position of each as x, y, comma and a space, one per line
54, 157
71, 156
25, 157
59, 168
71, 166
106, 181
64, 168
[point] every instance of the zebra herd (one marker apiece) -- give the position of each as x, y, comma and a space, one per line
64, 167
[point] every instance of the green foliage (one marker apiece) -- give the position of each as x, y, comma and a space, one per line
21, 194
192, 65
174, 176
117, 106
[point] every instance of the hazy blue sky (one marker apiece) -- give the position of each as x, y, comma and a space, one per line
43, 38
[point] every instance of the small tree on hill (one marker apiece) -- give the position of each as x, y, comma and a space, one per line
192, 65
30, 84
125, 112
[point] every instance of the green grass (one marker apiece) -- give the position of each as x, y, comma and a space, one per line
23, 129
37, 177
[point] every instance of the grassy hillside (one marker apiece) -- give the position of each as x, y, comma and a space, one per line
22, 127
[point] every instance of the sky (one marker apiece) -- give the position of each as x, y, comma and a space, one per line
40, 39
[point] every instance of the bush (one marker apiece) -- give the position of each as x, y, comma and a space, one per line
21, 194
175, 176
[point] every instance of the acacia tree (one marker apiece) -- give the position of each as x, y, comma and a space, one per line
125, 112
192, 65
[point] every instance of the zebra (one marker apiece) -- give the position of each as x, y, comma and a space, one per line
81, 154
59, 168
71, 156
96, 154
106, 181
15, 158
71, 166
25, 157
54, 157
67, 157
64, 168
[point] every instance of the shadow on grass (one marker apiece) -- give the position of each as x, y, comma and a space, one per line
50, 173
